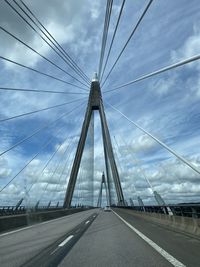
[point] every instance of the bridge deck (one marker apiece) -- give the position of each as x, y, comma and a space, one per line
107, 242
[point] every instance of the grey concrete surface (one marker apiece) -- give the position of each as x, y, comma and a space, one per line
109, 242
18, 247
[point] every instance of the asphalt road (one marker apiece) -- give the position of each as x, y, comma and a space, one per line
98, 239
18, 247
109, 242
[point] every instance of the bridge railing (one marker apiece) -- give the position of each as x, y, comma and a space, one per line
13, 210
186, 210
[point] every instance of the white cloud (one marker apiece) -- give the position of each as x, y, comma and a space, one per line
140, 143
190, 46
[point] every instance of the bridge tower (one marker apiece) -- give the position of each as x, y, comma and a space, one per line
103, 182
95, 102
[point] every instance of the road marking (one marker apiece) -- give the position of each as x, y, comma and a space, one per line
161, 251
66, 240
87, 222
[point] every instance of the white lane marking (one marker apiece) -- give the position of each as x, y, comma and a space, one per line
87, 222
35, 225
66, 240
161, 251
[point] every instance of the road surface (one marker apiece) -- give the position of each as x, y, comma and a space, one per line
98, 238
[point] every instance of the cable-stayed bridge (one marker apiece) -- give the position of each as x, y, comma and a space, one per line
76, 187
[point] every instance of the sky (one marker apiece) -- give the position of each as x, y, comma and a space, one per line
166, 105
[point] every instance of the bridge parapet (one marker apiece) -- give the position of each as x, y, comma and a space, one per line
34, 216
185, 210
182, 218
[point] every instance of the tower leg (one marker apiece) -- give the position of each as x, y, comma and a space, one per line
77, 160
100, 196
109, 151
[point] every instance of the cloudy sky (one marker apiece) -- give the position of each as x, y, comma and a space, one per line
166, 105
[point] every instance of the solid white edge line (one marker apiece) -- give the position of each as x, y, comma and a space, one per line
161, 251
65, 241
32, 226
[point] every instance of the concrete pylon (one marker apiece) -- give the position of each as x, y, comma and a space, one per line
19, 203
131, 202
95, 102
49, 204
37, 204
103, 182
140, 202
159, 199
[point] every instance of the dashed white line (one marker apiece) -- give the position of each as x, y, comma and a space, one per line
161, 251
65, 241
87, 222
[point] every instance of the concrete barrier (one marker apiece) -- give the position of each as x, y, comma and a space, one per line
187, 225
15, 221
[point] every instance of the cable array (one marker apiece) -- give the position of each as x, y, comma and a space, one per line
105, 33
39, 110
130, 37
41, 73
39, 54
151, 74
41, 149
189, 164
36, 132
40, 91
113, 37
72, 62
50, 43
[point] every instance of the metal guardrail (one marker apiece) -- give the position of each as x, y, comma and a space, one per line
11, 210
186, 210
